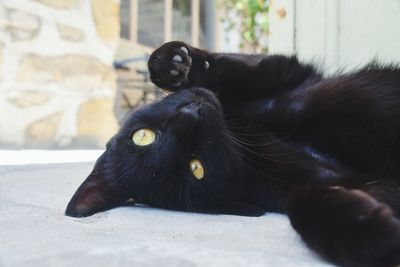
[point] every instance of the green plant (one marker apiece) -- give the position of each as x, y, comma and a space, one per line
252, 22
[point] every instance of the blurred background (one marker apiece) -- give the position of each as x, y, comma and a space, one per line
70, 70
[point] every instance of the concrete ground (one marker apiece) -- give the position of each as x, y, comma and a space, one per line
35, 232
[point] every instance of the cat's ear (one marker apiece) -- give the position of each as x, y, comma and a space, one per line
237, 208
97, 193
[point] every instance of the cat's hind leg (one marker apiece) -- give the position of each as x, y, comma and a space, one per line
348, 227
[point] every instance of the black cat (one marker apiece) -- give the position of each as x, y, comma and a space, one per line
267, 133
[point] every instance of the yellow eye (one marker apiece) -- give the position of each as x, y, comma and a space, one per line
197, 169
144, 137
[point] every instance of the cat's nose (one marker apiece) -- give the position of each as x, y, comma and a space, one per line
193, 110
188, 119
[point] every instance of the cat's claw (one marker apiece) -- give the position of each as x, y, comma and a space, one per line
184, 49
206, 65
177, 58
174, 72
177, 84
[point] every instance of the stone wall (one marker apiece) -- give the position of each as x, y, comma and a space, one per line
57, 84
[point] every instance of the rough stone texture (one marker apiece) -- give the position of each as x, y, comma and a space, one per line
70, 33
59, 3
106, 18
21, 25
43, 130
1, 53
52, 59
29, 99
1, 60
34, 231
96, 120
75, 71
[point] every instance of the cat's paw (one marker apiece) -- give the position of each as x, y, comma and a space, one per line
169, 65
349, 227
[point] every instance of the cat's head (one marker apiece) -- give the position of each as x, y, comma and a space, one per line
173, 154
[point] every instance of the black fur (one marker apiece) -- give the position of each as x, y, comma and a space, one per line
273, 135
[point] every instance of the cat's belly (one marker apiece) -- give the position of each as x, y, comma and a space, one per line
370, 147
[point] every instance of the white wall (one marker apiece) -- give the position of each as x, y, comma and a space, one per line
338, 33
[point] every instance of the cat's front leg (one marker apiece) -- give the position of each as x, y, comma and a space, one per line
348, 227
176, 64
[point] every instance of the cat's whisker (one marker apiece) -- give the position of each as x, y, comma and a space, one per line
189, 203
276, 141
123, 178
247, 142
266, 156
180, 196
238, 135
237, 153
373, 182
186, 200
240, 158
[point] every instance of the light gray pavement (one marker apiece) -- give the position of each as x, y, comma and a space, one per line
35, 232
